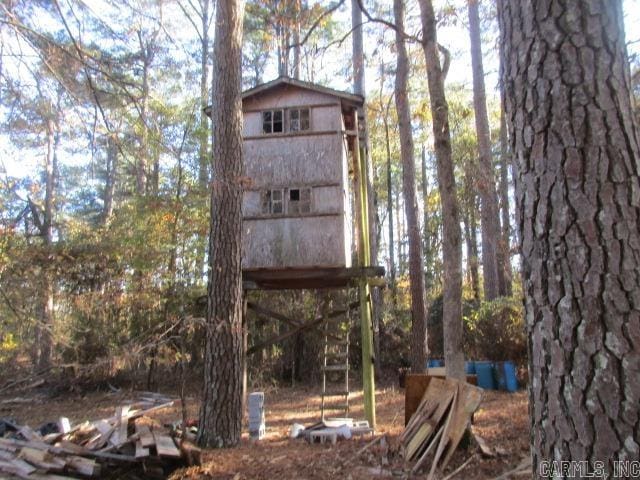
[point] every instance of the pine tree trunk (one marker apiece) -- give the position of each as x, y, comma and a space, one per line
111, 178
296, 39
392, 260
372, 201
203, 134
490, 220
44, 329
469, 222
416, 267
576, 157
504, 249
204, 163
221, 411
452, 236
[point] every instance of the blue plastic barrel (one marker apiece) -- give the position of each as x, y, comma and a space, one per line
435, 363
470, 367
505, 373
484, 373
511, 381
499, 376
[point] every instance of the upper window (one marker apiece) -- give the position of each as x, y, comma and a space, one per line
287, 201
273, 121
299, 200
273, 201
298, 119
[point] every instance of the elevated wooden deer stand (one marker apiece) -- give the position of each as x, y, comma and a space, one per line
304, 203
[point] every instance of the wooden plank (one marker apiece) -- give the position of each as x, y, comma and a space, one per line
415, 385
437, 391
83, 466
70, 447
445, 436
141, 452
304, 278
30, 434
6, 456
42, 459
171, 403
165, 445
146, 437
22, 467
119, 436
105, 431
469, 399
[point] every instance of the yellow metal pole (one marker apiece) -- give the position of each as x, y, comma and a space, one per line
364, 292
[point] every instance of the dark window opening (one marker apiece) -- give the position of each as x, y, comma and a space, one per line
299, 201
273, 121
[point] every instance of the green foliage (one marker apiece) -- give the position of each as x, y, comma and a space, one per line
496, 331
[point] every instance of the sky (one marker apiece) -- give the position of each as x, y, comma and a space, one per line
454, 36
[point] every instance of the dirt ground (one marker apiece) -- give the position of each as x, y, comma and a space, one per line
501, 420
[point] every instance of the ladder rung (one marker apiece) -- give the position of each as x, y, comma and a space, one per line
342, 393
335, 368
336, 355
337, 343
339, 406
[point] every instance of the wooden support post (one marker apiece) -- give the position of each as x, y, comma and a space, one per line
245, 341
364, 292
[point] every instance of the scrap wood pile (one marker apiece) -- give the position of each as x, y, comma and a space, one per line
127, 440
436, 428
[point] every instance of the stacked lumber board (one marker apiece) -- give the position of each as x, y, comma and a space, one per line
129, 439
437, 426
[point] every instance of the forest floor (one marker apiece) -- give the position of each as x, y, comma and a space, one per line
501, 420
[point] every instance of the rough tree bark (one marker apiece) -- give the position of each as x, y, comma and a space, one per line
416, 267
44, 329
504, 248
576, 156
492, 273
392, 246
203, 137
452, 236
221, 411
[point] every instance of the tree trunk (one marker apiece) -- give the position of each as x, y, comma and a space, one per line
296, 39
204, 164
221, 411
490, 220
44, 329
203, 135
504, 249
111, 177
143, 150
575, 150
392, 261
424, 182
469, 222
372, 201
452, 236
416, 268
357, 48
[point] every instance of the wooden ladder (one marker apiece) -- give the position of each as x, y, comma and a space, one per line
335, 367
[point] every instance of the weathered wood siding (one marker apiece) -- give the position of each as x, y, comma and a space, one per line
294, 242
288, 160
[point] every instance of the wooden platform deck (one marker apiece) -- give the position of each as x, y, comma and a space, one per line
309, 278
